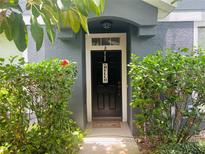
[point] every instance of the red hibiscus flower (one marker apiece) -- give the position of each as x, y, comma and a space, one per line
64, 62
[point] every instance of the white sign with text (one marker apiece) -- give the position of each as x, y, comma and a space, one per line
105, 72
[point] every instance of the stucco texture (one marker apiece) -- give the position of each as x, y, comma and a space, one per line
172, 35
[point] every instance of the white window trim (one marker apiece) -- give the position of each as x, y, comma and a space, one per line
197, 24
89, 48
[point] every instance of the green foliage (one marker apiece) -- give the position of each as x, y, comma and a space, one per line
37, 32
40, 91
55, 13
168, 89
14, 28
183, 148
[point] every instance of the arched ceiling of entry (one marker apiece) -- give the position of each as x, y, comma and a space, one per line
132, 11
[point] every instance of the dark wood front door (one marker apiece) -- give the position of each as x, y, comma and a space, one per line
106, 91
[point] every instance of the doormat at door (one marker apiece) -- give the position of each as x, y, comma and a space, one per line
106, 124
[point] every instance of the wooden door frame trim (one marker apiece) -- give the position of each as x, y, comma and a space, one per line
88, 48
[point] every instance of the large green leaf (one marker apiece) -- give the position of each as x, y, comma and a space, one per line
64, 22
102, 5
71, 19
35, 11
97, 2
19, 31
7, 26
49, 28
37, 33
1, 29
83, 6
51, 13
72, 13
84, 22
65, 4
51, 33
97, 6
94, 7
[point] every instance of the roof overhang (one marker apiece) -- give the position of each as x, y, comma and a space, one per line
164, 6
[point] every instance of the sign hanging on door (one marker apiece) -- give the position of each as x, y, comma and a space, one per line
105, 72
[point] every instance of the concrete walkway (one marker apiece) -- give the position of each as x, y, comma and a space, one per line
109, 141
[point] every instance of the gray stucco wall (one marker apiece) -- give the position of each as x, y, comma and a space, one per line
191, 5
201, 37
168, 35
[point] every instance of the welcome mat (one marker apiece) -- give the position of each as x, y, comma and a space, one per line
106, 124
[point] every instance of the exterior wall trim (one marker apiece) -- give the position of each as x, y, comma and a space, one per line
197, 24
89, 48
185, 15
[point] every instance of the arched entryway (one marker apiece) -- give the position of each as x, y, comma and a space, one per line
107, 53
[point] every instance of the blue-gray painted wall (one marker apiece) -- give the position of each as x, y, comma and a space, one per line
191, 5
168, 35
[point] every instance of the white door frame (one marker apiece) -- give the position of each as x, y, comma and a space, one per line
89, 47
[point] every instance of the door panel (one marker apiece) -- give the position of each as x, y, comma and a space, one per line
106, 96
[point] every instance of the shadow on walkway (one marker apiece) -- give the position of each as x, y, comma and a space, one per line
109, 141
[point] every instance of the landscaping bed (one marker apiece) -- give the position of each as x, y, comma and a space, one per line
168, 94
35, 117
151, 147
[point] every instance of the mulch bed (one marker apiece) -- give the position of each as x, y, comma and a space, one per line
146, 146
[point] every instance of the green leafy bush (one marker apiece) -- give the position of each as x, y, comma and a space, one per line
34, 108
183, 148
168, 90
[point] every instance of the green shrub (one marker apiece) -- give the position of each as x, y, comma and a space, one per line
183, 148
42, 91
168, 90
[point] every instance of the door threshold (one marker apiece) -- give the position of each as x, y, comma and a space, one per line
107, 118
